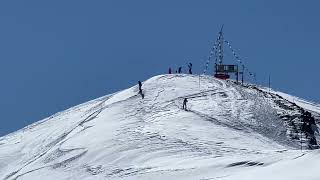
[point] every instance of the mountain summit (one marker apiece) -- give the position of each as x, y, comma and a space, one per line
227, 132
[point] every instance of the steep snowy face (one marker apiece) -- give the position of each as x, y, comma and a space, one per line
227, 129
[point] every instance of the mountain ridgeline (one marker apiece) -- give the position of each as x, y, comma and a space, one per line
181, 128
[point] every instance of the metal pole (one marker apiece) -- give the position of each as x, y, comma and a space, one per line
237, 74
242, 73
301, 140
199, 82
269, 83
221, 46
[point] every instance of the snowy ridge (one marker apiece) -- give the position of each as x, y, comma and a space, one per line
230, 132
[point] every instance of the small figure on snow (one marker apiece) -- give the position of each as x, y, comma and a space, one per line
184, 106
140, 85
140, 89
190, 68
169, 70
180, 70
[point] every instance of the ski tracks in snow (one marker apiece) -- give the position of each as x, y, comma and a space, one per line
155, 136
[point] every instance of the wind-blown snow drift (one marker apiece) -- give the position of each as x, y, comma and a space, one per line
229, 132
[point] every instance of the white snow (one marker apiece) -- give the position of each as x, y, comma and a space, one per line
229, 132
311, 106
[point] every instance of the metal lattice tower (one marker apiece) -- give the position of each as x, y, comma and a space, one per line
217, 51
220, 45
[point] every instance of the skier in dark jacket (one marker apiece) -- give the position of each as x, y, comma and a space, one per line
140, 89
179, 70
184, 106
190, 68
140, 85
169, 70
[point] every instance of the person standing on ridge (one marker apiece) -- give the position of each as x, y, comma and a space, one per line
169, 70
184, 106
140, 85
190, 68
179, 70
140, 89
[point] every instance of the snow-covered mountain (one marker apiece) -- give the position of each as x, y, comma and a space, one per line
229, 132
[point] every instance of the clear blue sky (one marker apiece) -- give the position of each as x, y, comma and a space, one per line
57, 54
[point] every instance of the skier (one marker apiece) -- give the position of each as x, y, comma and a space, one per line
179, 70
169, 70
190, 68
140, 89
140, 85
184, 106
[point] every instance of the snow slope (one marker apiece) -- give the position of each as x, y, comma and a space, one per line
230, 132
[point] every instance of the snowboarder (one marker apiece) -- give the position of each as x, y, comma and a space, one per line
169, 70
179, 70
190, 68
184, 106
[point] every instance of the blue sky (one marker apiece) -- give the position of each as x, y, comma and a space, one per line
57, 54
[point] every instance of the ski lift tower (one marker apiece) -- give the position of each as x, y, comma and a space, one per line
222, 70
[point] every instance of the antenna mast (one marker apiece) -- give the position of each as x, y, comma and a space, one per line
221, 40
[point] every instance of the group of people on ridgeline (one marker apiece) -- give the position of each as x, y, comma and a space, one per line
179, 71
309, 127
